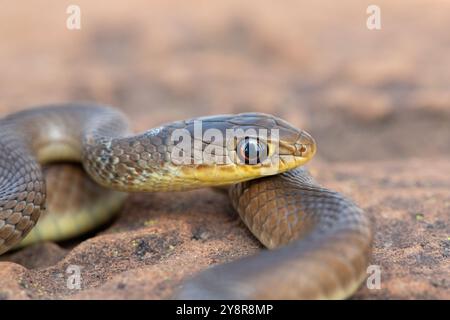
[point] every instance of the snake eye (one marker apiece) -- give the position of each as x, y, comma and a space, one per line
252, 151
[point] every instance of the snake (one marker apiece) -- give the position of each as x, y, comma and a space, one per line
74, 163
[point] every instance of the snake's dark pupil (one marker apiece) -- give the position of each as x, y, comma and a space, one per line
251, 151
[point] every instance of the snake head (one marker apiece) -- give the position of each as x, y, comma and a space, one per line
227, 149
200, 152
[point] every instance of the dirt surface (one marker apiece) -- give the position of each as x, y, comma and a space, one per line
377, 102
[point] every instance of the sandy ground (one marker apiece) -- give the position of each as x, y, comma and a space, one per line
377, 102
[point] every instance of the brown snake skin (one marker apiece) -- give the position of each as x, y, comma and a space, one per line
327, 237
321, 240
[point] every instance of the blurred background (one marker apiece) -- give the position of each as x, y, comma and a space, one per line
376, 101
363, 94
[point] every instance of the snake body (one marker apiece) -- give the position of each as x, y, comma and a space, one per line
321, 240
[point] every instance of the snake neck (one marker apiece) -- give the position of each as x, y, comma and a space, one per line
100, 138
128, 164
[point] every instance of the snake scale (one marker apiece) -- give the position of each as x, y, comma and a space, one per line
319, 240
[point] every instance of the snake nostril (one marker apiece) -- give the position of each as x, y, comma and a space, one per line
305, 146
301, 149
